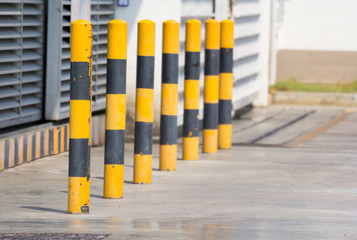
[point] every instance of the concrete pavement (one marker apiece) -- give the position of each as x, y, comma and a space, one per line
277, 182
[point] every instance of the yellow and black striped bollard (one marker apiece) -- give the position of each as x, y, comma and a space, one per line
115, 110
80, 117
226, 85
211, 91
144, 115
191, 90
169, 96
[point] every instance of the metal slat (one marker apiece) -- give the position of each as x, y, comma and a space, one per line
9, 33
6, 68
30, 32
30, 88
31, 66
7, 44
30, 100
32, 21
8, 103
6, 92
9, 21
29, 77
31, 55
31, 111
8, 80
7, 115
9, 56
31, 43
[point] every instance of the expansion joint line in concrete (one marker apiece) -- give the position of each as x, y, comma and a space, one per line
309, 136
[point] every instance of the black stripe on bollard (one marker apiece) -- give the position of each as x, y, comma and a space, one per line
211, 62
209, 122
191, 125
168, 123
145, 72
80, 169
225, 109
192, 65
171, 68
114, 151
226, 63
116, 76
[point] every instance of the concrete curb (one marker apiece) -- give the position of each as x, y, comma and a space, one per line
314, 98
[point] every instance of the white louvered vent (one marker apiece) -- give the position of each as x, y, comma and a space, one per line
192, 9
21, 61
102, 11
58, 61
247, 51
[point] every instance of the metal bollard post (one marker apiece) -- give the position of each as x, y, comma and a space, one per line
144, 115
191, 90
115, 110
169, 96
226, 85
80, 117
210, 111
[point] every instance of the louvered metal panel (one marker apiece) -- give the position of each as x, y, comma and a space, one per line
21, 61
58, 56
192, 9
102, 11
247, 51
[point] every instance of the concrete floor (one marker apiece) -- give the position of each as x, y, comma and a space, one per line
264, 188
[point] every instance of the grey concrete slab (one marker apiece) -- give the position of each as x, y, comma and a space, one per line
269, 126
251, 192
335, 141
314, 120
352, 117
246, 193
344, 128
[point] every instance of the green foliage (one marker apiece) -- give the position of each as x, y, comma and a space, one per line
293, 85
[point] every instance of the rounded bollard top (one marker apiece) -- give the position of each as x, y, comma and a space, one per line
191, 21
81, 41
146, 38
212, 34
171, 41
146, 21
117, 39
212, 20
227, 33
171, 22
118, 21
193, 35
225, 21
81, 21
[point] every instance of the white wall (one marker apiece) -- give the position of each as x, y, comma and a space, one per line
325, 25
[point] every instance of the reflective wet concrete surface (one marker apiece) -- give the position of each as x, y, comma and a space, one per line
260, 189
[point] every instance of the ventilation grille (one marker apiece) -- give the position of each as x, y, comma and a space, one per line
21, 61
65, 57
247, 50
58, 67
192, 9
102, 12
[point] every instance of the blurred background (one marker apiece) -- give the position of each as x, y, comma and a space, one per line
280, 45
